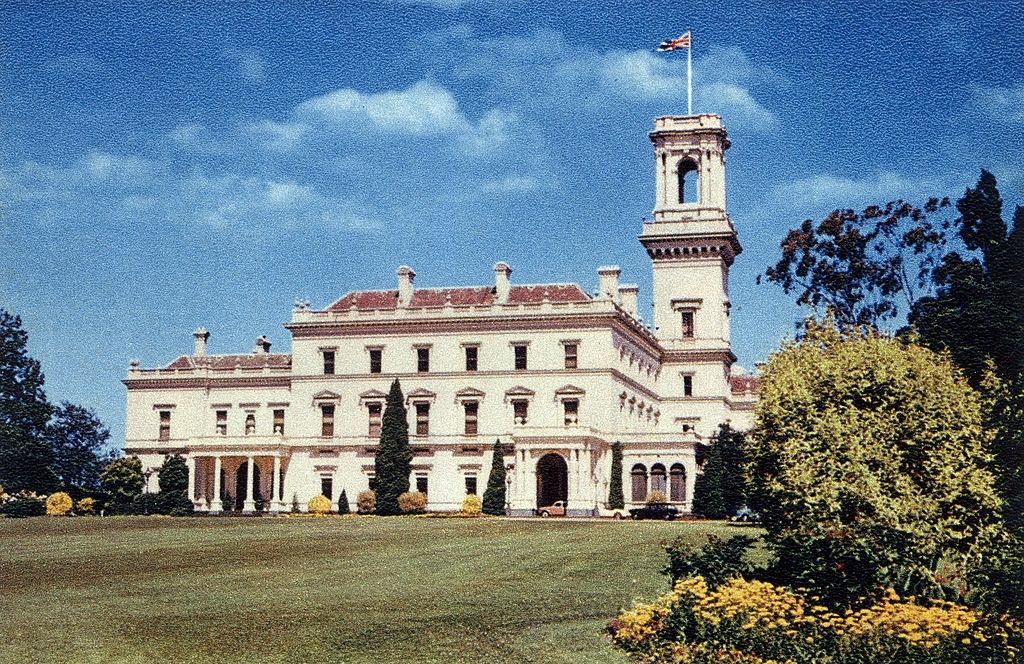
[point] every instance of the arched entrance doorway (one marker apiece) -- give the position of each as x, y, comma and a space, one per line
552, 480
241, 490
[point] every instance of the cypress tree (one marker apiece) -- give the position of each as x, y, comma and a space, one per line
494, 496
721, 489
393, 461
343, 507
616, 500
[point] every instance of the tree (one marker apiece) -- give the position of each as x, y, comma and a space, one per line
78, 440
494, 495
25, 456
343, 506
122, 480
173, 481
616, 499
392, 463
720, 490
868, 462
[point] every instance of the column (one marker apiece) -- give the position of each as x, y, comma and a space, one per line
249, 506
215, 503
190, 462
275, 499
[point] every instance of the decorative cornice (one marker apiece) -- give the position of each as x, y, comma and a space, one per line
688, 355
206, 383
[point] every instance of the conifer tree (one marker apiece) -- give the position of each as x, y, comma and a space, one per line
343, 507
616, 500
720, 490
393, 461
494, 496
173, 481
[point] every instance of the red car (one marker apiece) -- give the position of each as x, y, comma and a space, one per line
557, 509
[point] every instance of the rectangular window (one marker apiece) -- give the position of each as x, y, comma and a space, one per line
421, 484
422, 419
687, 386
471, 485
519, 408
327, 487
472, 355
165, 425
687, 320
571, 356
520, 350
279, 421
375, 410
572, 411
327, 421
375, 360
328, 361
373, 482
222, 422
423, 360
472, 409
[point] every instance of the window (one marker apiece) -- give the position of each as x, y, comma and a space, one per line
687, 386
421, 484
250, 424
422, 419
279, 422
165, 425
639, 478
687, 320
222, 422
519, 409
520, 354
423, 360
328, 361
472, 408
372, 482
375, 360
571, 356
471, 485
572, 411
327, 487
472, 356
658, 478
677, 483
689, 189
375, 410
327, 421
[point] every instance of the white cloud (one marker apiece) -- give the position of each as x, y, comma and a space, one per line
830, 191
1002, 104
423, 108
278, 135
248, 64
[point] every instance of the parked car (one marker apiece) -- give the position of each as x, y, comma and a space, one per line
557, 509
746, 515
617, 513
654, 511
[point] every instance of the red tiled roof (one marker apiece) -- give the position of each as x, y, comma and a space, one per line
744, 384
250, 361
476, 295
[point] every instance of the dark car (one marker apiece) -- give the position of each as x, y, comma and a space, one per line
654, 511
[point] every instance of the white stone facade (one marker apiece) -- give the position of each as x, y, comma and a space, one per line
300, 424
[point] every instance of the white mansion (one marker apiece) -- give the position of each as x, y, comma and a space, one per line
555, 373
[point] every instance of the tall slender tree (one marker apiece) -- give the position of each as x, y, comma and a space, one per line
393, 461
494, 496
616, 500
79, 440
721, 489
25, 456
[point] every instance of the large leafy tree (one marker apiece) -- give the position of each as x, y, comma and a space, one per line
173, 482
869, 464
494, 495
122, 480
392, 463
79, 442
721, 489
25, 456
616, 499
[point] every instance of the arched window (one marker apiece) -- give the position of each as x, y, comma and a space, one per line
639, 474
677, 483
658, 478
689, 184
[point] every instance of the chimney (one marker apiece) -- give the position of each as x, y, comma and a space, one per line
502, 283
405, 279
627, 298
608, 286
202, 336
262, 345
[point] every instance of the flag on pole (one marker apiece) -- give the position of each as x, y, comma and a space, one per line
674, 44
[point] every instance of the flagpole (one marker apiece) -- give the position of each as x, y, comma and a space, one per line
689, 75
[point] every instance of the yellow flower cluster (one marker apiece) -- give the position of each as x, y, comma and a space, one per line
319, 505
756, 602
58, 504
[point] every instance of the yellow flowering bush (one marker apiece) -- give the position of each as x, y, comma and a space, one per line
471, 505
58, 504
86, 506
755, 621
319, 505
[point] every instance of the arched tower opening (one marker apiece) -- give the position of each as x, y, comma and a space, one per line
688, 181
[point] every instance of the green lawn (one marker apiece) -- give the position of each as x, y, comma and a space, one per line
133, 589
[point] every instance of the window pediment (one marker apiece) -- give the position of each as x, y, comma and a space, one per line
326, 395
469, 393
420, 394
373, 395
570, 390
519, 391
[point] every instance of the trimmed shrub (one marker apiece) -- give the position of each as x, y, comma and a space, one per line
366, 502
296, 508
86, 506
146, 503
22, 506
174, 503
412, 502
471, 505
343, 507
319, 505
656, 497
58, 504
227, 503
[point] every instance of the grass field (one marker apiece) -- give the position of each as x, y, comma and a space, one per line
134, 589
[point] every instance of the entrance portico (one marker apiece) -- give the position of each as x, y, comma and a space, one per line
245, 477
545, 473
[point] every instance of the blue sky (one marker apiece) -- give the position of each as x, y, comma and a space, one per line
206, 164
